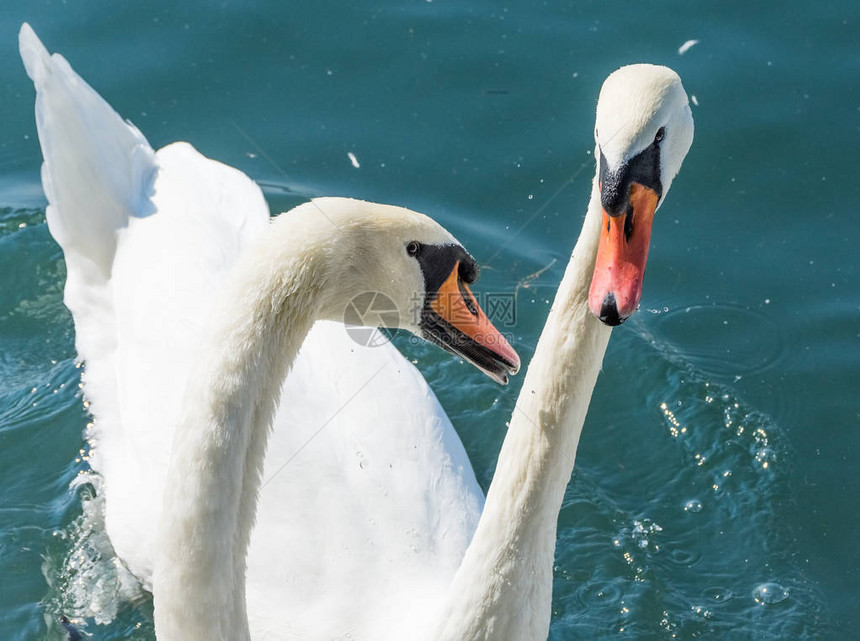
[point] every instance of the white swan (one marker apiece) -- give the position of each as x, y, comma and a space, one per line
307, 267
501, 588
365, 475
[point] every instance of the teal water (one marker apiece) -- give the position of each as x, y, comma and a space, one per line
715, 489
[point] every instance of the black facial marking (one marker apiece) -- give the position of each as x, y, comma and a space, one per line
469, 271
643, 168
438, 261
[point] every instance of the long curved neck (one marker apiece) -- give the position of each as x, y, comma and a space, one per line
503, 588
267, 308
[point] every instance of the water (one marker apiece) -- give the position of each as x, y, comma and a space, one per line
715, 488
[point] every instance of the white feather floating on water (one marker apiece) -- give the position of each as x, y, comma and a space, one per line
353, 159
684, 48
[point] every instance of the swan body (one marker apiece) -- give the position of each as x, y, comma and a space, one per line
460, 572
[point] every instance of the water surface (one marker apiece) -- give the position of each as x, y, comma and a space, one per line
714, 494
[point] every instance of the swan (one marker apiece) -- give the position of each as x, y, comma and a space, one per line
503, 587
149, 239
498, 584
306, 268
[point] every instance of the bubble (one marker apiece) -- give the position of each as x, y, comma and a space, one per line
693, 505
769, 593
765, 457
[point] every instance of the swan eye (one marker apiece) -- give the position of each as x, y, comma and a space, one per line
661, 132
413, 248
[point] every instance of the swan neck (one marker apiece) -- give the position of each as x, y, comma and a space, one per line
266, 309
504, 585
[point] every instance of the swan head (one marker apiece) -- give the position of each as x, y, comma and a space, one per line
400, 269
643, 131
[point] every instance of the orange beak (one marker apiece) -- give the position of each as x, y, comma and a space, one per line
469, 333
621, 255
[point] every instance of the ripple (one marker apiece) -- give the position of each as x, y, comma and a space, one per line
723, 340
686, 558
13, 220
718, 594
599, 593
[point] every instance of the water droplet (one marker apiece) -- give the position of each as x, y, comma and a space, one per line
769, 593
